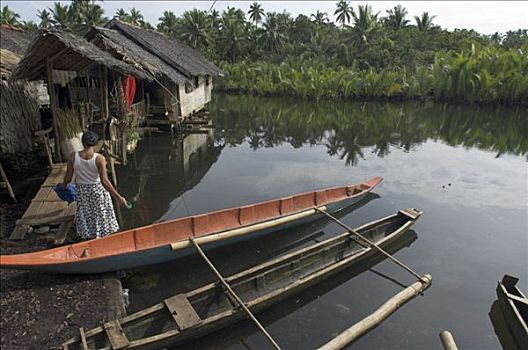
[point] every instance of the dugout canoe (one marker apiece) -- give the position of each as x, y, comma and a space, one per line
191, 315
514, 307
168, 240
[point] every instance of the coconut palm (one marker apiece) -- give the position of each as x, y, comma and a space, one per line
343, 12
424, 22
320, 18
29, 26
233, 37
272, 37
135, 17
45, 19
255, 12
396, 17
365, 23
8, 16
168, 23
61, 15
121, 15
194, 28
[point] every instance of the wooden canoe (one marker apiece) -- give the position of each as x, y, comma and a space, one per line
168, 240
191, 315
514, 307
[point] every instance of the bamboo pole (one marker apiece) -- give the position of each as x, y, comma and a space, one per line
378, 316
234, 295
371, 244
245, 230
54, 106
448, 342
8, 185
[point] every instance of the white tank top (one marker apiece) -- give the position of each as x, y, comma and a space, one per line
86, 171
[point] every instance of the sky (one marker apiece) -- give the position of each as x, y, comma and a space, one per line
486, 17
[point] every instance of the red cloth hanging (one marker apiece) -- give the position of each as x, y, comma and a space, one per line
129, 89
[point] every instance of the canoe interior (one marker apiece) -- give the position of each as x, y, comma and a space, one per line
164, 233
257, 286
514, 307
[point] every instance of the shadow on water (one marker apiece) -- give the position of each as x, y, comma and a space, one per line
237, 333
157, 282
501, 328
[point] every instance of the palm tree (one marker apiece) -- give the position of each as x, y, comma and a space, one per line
255, 12
45, 19
343, 12
135, 17
121, 15
29, 26
272, 37
194, 26
365, 22
320, 18
168, 23
233, 36
61, 14
8, 16
424, 22
396, 17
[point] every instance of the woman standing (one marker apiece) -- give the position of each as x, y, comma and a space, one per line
95, 211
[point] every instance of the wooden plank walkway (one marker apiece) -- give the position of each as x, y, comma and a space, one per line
47, 208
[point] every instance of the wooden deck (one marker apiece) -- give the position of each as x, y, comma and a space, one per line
47, 208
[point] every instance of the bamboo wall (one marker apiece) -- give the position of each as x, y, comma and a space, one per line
19, 116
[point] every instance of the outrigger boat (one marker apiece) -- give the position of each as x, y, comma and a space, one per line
168, 240
514, 307
191, 315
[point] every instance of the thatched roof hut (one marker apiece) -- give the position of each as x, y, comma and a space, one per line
14, 39
131, 52
67, 52
177, 54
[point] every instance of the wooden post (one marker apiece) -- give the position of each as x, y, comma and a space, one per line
8, 185
104, 93
378, 316
53, 106
124, 143
233, 294
448, 341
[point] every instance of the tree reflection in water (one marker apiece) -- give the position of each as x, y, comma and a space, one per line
346, 129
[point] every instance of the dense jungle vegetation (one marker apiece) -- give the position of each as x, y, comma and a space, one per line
364, 55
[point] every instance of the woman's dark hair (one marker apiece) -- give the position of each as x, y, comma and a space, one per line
89, 138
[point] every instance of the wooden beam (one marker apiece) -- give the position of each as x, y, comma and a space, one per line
54, 106
8, 185
105, 112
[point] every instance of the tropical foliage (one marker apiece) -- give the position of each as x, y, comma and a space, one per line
365, 55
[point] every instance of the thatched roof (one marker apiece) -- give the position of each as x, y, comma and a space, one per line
175, 53
14, 39
67, 52
129, 51
8, 61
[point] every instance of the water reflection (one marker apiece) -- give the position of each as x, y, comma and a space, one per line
162, 169
346, 129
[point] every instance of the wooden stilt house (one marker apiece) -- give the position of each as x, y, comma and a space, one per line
79, 77
182, 79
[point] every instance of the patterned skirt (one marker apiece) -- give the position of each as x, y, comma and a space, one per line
95, 212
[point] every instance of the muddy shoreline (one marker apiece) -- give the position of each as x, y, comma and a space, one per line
41, 310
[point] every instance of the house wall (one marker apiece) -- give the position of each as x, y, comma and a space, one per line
195, 100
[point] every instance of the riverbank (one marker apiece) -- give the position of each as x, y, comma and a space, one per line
40, 310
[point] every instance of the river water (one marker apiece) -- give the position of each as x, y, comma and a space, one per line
465, 167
